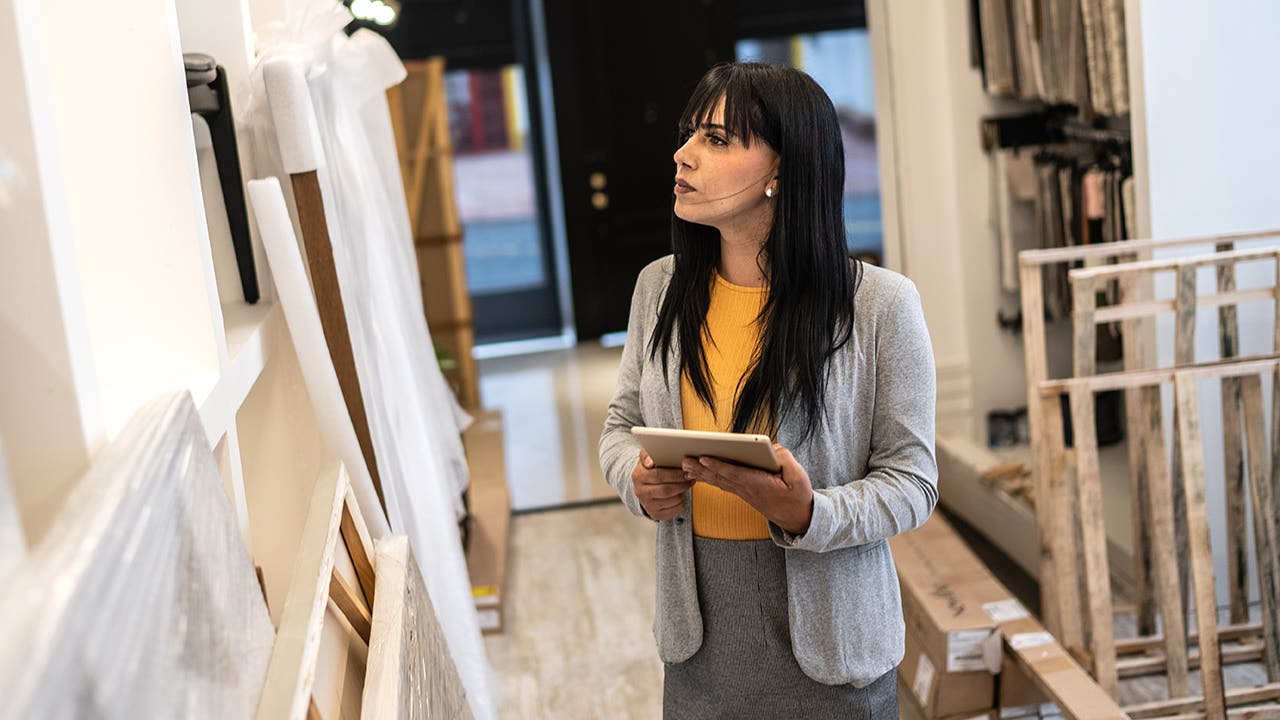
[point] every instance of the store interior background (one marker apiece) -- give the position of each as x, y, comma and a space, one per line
563, 116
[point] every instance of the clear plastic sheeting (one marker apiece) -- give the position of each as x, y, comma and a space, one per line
410, 673
141, 601
414, 420
12, 546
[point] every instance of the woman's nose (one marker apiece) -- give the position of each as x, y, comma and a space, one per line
683, 156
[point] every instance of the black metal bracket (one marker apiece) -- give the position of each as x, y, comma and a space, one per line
210, 98
1045, 127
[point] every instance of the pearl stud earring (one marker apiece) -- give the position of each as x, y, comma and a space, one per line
768, 192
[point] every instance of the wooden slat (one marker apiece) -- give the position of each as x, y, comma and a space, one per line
395, 108
1138, 666
1184, 353
1053, 256
1148, 308
1198, 545
359, 546
1134, 352
1163, 539
1085, 335
1266, 540
286, 692
1242, 631
1062, 680
1094, 542
1181, 264
418, 166
383, 678
351, 605
333, 314
1031, 286
1269, 712
1235, 697
1233, 450
1211, 369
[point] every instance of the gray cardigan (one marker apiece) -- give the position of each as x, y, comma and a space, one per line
871, 463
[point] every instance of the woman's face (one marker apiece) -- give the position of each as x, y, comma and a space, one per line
720, 181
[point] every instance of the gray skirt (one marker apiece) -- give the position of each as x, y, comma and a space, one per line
745, 667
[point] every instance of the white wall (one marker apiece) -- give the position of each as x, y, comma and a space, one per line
49, 417
133, 193
935, 184
1207, 158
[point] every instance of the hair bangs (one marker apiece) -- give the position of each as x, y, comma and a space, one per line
742, 111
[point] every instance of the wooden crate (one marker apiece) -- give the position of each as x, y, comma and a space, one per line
419, 111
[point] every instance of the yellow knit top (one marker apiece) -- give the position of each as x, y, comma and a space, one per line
733, 329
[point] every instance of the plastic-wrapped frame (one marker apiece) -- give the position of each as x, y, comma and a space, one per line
141, 601
410, 673
340, 127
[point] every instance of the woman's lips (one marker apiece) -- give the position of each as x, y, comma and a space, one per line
683, 187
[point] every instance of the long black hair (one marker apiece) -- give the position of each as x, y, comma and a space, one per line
808, 314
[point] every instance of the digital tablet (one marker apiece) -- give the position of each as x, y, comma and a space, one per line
669, 448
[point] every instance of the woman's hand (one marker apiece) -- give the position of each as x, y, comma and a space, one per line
784, 498
660, 490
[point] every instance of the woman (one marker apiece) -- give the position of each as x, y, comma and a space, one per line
777, 595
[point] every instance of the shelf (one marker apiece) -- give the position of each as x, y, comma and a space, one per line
249, 330
1009, 523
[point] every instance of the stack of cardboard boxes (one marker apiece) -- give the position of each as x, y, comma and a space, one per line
956, 665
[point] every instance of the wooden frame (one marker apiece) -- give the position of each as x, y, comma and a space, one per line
404, 610
1052, 483
333, 315
419, 110
333, 512
1170, 550
1103, 650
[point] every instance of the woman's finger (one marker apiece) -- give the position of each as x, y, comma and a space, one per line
666, 491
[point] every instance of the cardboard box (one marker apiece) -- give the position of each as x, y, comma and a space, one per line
1017, 688
490, 517
953, 641
941, 694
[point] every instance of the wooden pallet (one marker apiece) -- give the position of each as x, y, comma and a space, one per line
1051, 480
1171, 493
419, 112
1102, 653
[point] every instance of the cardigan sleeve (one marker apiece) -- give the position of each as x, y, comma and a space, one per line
900, 489
619, 452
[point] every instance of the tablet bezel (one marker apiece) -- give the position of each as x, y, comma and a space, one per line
668, 447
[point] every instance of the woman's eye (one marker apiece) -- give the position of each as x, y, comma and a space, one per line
717, 140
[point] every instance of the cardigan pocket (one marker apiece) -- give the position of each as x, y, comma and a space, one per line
845, 613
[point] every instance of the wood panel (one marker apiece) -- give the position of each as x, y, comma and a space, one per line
333, 314
286, 692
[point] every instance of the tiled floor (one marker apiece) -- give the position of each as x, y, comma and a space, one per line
553, 406
577, 642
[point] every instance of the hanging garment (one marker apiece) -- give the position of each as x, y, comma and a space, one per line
1013, 211
1026, 50
1096, 57
1117, 59
1074, 56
